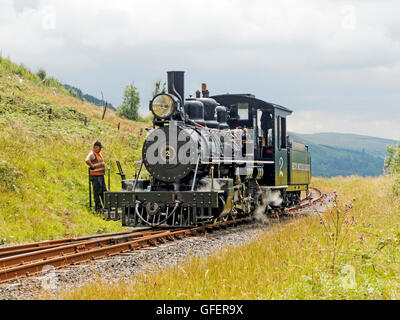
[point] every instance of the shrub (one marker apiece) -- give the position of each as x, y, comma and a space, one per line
41, 74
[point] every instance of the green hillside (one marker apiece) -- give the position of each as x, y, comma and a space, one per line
338, 154
45, 135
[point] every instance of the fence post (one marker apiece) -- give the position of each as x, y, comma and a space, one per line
90, 190
104, 112
109, 179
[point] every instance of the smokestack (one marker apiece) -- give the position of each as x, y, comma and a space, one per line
176, 83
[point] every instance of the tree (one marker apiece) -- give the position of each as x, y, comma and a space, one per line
392, 162
41, 74
130, 103
157, 88
392, 165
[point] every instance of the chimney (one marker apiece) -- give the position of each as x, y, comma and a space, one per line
176, 83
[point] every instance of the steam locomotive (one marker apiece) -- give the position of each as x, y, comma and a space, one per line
211, 158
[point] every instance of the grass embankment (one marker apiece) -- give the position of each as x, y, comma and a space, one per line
346, 254
45, 135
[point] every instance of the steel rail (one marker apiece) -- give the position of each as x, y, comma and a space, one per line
67, 249
30, 247
15, 267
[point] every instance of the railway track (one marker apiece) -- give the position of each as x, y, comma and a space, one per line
28, 259
314, 197
30, 247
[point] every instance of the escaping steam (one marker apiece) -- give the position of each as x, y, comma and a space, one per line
128, 186
269, 199
205, 185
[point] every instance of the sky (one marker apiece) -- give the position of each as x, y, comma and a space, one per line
336, 64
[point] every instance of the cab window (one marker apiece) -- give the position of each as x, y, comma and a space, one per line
281, 132
243, 111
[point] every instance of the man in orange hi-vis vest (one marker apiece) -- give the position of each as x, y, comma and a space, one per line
97, 171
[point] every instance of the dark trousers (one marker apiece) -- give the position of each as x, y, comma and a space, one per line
99, 186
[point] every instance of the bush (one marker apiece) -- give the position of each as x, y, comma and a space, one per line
41, 74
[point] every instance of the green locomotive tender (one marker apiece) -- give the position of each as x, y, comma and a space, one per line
211, 158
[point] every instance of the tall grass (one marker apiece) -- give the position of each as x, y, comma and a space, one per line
349, 252
45, 135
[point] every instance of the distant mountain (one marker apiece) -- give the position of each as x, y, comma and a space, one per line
373, 145
88, 97
342, 154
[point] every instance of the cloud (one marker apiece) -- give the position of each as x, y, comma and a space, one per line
305, 55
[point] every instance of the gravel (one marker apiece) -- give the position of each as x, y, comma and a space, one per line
124, 266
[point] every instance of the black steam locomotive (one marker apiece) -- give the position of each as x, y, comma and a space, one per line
209, 159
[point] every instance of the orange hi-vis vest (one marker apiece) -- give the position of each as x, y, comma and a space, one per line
99, 165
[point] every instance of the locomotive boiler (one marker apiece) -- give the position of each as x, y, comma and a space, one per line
211, 158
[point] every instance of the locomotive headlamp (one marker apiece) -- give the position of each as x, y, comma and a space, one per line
164, 105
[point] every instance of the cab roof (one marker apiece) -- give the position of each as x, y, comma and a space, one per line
230, 99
